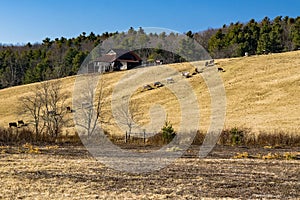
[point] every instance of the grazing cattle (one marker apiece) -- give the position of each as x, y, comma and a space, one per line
12, 124
21, 123
210, 63
147, 87
220, 69
186, 74
170, 80
69, 109
158, 84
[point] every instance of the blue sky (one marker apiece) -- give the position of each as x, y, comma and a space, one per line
23, 21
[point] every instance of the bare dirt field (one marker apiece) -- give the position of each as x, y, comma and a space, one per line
69, 172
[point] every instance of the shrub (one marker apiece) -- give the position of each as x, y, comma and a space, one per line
199, 138
234, 136
278, 138
13, 136
237, 136
168, 132
17, 136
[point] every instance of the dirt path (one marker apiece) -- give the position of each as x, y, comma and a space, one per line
70, 173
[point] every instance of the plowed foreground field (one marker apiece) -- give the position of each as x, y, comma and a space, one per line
71, 173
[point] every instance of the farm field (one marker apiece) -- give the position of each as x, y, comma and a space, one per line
71, 173
262, 94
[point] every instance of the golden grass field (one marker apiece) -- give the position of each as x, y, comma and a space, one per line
262, 93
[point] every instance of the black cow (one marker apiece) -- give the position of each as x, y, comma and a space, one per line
220, 69
12, 124
70, 110
158, 84
21, 123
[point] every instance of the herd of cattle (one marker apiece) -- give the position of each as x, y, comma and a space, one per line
21, 123
18, 124
156, 84
169, 80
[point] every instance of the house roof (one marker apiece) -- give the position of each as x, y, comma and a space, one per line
106, 58
120, 55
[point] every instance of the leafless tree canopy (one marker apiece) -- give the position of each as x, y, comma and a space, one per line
90, 106
129, 114
46, 106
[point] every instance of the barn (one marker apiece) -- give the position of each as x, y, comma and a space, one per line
116, 59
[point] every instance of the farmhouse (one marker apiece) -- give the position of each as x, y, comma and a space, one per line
116, 59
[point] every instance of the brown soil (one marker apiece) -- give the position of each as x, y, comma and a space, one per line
71, 173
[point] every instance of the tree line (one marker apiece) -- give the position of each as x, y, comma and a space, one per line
61, 57
267, 36
51, 59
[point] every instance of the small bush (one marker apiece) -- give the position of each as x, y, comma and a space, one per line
234, 136
168, 132
237, 136
199, 138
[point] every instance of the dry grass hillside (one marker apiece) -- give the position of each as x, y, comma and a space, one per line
262, 93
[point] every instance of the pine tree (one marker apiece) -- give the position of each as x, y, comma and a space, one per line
295, 34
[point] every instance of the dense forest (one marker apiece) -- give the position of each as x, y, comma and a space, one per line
267, 36
22, 64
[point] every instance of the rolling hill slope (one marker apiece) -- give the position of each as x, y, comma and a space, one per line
262, 93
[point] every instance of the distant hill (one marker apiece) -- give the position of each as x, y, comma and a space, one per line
262, 93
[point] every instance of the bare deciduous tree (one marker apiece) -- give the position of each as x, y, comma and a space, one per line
54, 106
47, 107
129, 114
91, 106
32, 106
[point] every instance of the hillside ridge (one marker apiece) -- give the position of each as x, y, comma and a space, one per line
262, 93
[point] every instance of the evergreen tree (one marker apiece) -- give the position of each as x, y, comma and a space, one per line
276, 35
295, 34
264, 42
